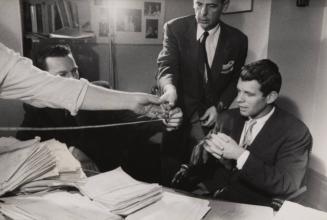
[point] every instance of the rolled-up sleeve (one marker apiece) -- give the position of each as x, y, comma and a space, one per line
19, 79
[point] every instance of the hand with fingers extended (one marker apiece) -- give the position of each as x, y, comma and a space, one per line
222, 146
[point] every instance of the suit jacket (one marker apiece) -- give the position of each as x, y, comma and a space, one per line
48, 117
277, 163
179, 63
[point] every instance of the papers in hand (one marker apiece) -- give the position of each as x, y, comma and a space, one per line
23, 162
120, 193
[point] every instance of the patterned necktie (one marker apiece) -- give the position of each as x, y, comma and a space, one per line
248, 133
204, 51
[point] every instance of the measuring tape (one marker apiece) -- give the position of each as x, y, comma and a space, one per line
77, 127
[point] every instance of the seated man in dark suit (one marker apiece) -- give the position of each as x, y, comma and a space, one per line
256, 152
104, 146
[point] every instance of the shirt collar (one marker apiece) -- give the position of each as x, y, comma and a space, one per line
264, 118
200, 31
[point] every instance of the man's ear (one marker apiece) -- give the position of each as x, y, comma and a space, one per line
226, 4
271, 97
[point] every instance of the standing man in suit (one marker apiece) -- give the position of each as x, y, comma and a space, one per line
199, 67
258, 151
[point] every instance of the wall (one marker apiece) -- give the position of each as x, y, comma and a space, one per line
298, 43
256, 26
319, 123
11, 35
11, 32
295, 44
136, 64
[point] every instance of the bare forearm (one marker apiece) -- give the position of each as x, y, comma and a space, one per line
98, 98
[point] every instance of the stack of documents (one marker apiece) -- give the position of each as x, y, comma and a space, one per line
173, 206
23, 162
55, 205
120, 193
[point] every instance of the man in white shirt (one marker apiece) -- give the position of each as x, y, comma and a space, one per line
256, 152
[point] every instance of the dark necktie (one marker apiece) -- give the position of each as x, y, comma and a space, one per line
206, 77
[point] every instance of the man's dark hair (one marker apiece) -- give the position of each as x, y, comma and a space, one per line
266, 73
58, 50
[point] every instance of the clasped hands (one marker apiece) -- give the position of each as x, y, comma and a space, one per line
219, 145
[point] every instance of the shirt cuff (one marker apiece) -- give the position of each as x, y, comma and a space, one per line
242, 159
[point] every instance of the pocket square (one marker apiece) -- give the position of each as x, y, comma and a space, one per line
228, 67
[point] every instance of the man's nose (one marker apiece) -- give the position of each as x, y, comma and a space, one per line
239, 98
204, 10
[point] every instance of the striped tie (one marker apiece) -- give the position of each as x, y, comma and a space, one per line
248, 133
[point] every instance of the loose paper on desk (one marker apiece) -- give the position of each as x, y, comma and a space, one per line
221, 210
119, 192
55, 205
291, 210
173, 206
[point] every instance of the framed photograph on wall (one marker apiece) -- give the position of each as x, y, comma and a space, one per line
238, 6
129, 21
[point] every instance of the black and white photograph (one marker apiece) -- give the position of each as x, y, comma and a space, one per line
163, 109
152, 9
129, 20
151, 26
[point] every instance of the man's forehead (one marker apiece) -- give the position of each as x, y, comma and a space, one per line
253, 85
209, 1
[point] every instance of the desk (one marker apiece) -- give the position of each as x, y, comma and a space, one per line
184, 208
235, 211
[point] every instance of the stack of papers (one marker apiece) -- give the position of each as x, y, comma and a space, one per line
55, 205
23, 162
173, 206
120, 193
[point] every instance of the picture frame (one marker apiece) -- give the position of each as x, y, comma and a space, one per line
239, 6
128, 21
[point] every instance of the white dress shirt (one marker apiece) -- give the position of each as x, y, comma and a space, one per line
211, 43
260, 122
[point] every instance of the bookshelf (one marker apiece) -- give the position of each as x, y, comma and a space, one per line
48, 22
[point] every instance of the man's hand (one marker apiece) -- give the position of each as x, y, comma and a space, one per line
222, 146
209, 118
174, 120
146, 104
169, 96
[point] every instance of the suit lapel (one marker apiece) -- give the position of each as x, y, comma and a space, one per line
220, 53
266, 132
195, 45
